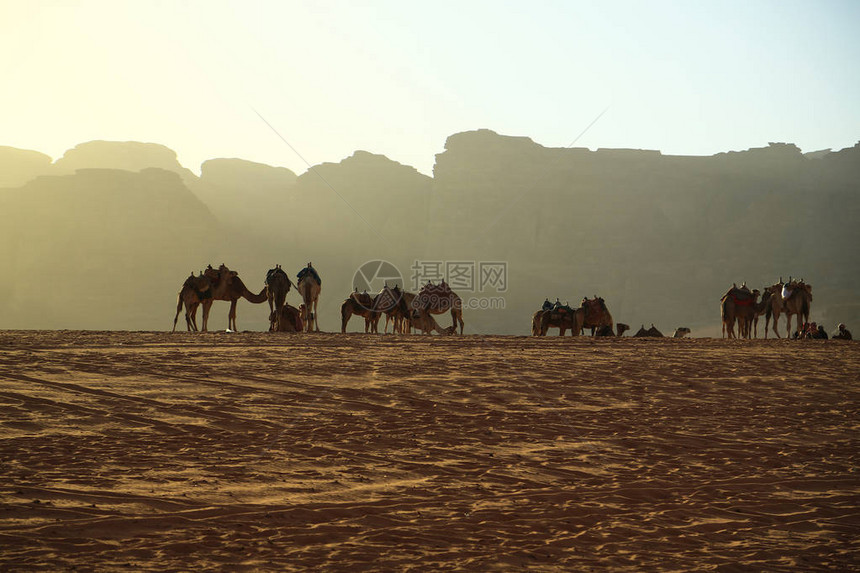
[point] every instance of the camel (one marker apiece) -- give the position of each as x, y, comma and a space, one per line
793, 297
681, 332
439, 299
759, 309
652, 332
425, 322
277, 286
746, 315
194, 291
737, 304
289, 319
309, 287
562, 318
391, 301
595, 313
226, 285
606, 330
359, 304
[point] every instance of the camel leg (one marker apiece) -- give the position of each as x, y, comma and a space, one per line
191, 317
178, 308
231, 316
345, 315
457, 316
207, 306
316, 323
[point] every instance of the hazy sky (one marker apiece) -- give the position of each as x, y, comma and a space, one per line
396, 78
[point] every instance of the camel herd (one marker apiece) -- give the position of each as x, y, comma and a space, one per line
742, 305
406, 311
591, 313
414, 311
224, 284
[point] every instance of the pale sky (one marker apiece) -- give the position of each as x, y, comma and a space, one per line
397, 78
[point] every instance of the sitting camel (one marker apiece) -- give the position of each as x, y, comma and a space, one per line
195, 290
359, 304
439, 299
289, 319
226, 285
649, 333
277, 286
425, 322
681, 332
606, 330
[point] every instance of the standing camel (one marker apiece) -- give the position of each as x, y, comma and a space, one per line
793, 297
195, 290
226, 285
309, 287
595, 314
760, 309
746, 314
391, 302
359, 304
277, 286
562, 318
738, 302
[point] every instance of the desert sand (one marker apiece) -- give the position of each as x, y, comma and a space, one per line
148, 451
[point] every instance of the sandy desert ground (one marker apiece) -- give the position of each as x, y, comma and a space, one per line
146, 451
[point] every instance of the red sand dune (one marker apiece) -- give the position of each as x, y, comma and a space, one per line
254, 451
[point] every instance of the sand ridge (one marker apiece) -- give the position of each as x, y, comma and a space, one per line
257, 451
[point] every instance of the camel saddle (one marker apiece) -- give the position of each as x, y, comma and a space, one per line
272, 273
593, 306
434, 297
363, 299
741, 297
313, 273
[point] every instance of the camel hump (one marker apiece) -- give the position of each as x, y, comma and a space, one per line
309, 270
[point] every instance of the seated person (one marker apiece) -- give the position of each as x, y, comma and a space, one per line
841, 333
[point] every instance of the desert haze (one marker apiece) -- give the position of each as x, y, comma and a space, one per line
329, 452
103, 237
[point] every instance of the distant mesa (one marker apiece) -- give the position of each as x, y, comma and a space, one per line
238, 172
18, 166
125, 155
